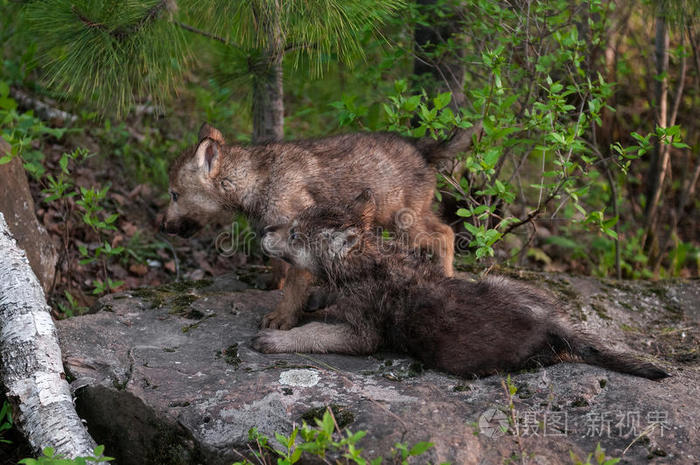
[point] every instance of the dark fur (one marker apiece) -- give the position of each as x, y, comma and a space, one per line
274, 182
391, 297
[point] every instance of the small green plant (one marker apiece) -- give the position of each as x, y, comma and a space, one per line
323, 440
414, 115
510, 390
100, 287
143, 159
20, 130
140, 248
598, 456
49, 457
93, 213
71, 307
5, 421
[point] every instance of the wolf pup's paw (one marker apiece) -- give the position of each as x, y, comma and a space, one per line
279, 319
272, 341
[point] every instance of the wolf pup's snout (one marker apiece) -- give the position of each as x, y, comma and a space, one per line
183, 227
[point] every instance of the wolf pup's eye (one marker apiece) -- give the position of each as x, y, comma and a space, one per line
293, 234
173, 195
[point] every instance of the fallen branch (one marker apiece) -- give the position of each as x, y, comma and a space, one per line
42, 110
32, 370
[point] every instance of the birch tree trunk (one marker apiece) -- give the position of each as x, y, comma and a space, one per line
32, 370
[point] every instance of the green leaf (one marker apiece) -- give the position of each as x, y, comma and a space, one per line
482, 252
491, 157
610, 232
63, 162
480, 209
420, 448
419, 131
400, 86
7, 103
471, 228
442, 100
114, 284
327, 423
412, 103
389, 111
609, 223
464, 213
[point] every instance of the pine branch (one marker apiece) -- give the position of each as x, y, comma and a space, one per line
100, 49
124, 32
85, 20
206, 34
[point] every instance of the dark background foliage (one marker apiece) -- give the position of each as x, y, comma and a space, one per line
584, 156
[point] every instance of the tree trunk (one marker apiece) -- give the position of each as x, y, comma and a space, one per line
658, 165
268, 93
32, 370
268, 104
438, 73
17, 204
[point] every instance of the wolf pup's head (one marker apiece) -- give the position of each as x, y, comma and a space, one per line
320, 238
196, 193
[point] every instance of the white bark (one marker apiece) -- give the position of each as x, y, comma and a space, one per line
32, 371
42, 110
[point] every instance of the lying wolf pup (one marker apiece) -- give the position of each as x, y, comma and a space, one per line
273, 182
392, 297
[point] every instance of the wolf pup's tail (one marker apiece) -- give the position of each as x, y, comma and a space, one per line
593, 353
438, 153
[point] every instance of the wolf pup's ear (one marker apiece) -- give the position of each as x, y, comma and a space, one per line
207, 131
208, 157
364, 208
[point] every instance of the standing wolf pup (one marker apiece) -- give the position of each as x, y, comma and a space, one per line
273, 182
391, 297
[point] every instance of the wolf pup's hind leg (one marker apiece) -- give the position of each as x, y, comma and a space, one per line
429, 233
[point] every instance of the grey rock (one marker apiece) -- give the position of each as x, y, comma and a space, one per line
167, 376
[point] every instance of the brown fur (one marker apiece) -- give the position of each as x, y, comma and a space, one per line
273, 182
392, 297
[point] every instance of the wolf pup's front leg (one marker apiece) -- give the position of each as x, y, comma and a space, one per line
316, 337
295, 293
